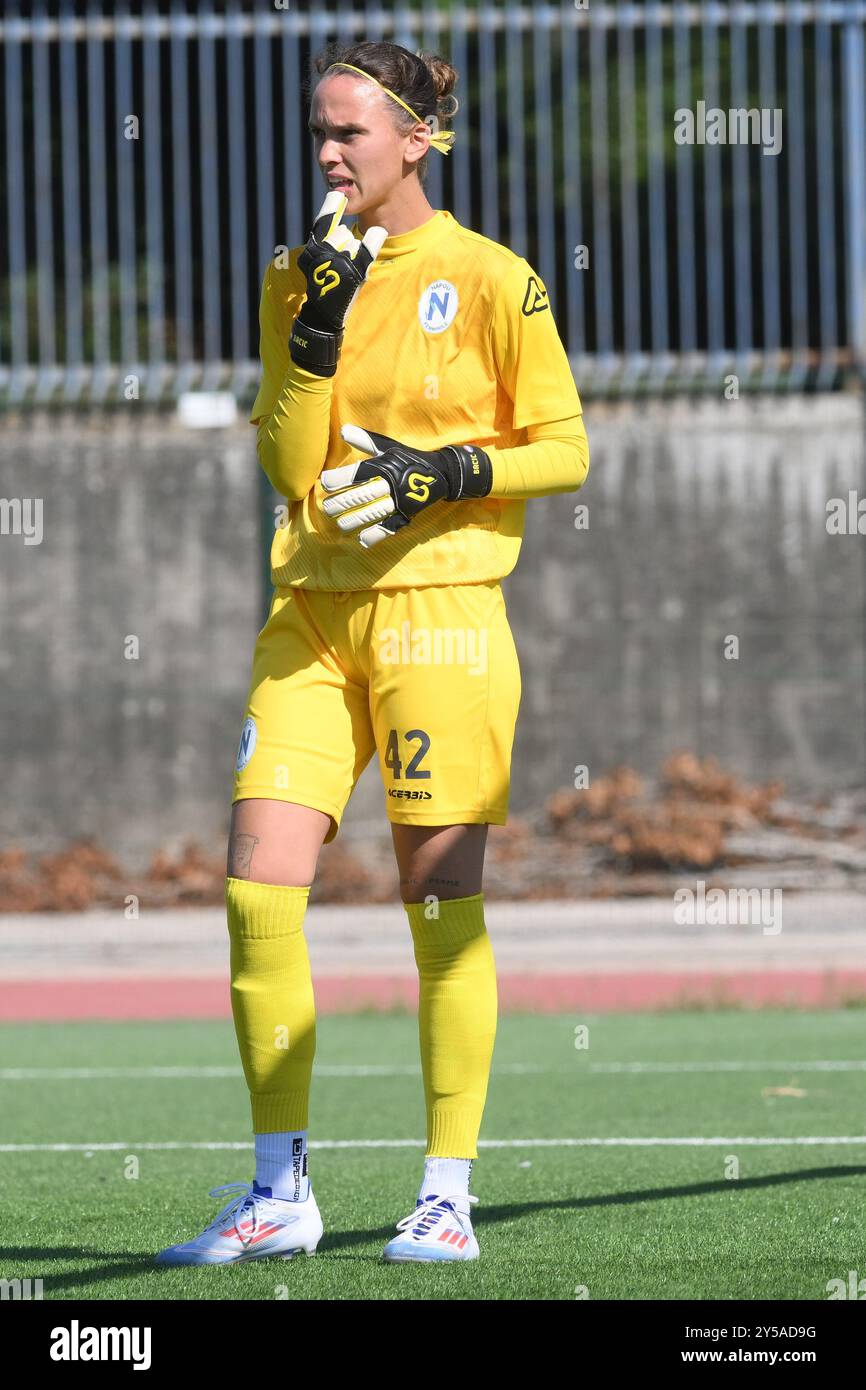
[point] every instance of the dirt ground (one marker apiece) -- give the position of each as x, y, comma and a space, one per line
621, 836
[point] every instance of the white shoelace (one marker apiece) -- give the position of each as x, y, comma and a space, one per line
235, 1208
422, 1214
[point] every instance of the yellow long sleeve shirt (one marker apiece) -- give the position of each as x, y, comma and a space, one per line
450, 340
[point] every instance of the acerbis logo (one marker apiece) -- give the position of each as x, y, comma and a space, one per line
407, 794
437, 306
535, 300
247, 745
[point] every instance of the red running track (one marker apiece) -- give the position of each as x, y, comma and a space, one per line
124, 997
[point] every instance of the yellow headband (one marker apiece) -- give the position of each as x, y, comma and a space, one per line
442, 140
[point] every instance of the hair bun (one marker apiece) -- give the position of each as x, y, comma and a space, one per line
443, 76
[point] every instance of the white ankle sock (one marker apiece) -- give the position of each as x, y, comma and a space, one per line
446, 1177
281, 1164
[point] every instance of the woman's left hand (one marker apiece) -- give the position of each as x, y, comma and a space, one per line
398, 481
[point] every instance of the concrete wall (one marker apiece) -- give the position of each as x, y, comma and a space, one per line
704, 521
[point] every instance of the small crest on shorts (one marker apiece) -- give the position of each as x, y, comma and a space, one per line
247, 745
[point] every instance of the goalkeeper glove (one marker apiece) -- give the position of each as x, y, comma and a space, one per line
335, 264
398, 482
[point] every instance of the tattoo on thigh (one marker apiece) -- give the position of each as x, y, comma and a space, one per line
241, 855
449, 882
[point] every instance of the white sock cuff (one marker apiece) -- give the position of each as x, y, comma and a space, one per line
446, 1177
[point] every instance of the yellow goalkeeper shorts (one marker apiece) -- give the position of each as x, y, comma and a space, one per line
428, 678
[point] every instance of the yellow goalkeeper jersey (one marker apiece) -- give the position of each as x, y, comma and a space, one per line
450, 340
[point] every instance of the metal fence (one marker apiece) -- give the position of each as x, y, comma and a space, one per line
154, 157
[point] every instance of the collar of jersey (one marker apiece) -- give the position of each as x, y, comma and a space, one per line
419, 239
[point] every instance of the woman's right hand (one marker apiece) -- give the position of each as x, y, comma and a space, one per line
335, 264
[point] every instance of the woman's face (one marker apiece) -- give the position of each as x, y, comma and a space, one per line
357, 144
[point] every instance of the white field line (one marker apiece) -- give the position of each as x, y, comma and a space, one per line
614, 1067
690, 1141
504, 1069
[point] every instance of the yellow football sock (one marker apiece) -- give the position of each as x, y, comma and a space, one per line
272, 1000
456, 1019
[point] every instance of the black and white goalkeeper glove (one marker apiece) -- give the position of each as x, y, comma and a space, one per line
397, 482
335, 264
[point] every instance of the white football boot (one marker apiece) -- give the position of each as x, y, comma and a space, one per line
251, 1227
438, 1229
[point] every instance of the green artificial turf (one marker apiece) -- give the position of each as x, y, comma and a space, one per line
604, 1222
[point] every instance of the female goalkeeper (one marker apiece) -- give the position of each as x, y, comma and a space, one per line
406, 447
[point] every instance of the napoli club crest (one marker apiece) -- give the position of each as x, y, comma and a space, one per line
247, 744
437, 306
